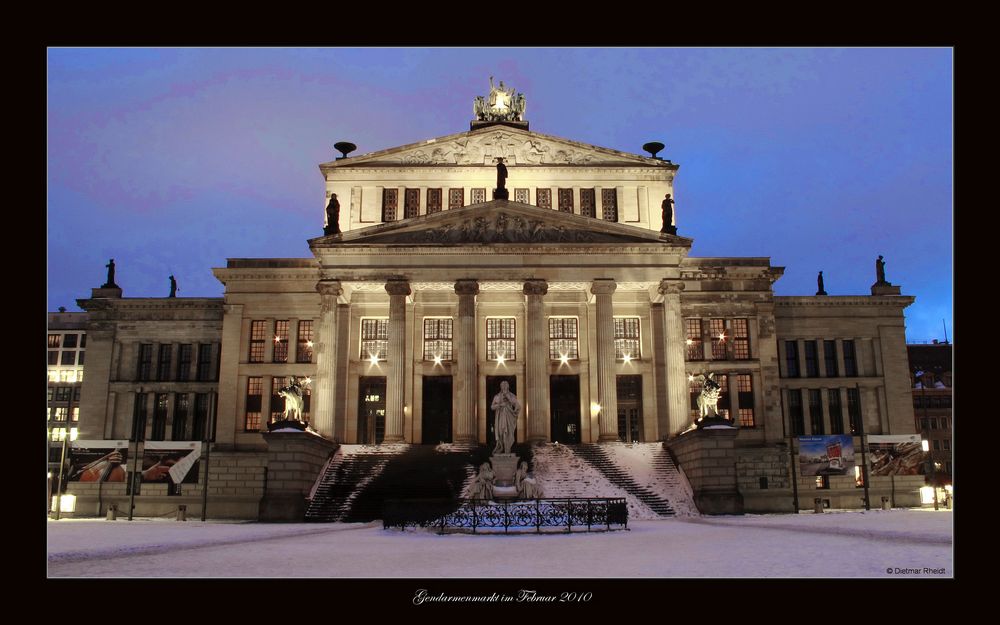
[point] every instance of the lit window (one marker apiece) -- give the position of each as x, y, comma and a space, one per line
694, 341
257, 338
717, 328
374, 339
609, 204
521, 195
456, 198
543, 197
433, 201
563, 338
566, 200
251, 422
390, 200
627, 338
744, 387
54, 341
411, 203
500, 335
304, 352
741, 339
477, 196
280, 341
437, 339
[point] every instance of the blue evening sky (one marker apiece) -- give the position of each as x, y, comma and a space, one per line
172, 160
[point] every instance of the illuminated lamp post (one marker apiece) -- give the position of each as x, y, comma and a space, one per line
925, 445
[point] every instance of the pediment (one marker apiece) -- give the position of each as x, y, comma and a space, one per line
499, 222
517, 146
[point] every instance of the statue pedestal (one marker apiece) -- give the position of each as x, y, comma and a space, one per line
714, 421
504, 492
884, 288
286, 425
504, 468
501, 194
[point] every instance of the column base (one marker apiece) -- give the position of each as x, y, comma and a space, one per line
465, 440
608, 438
393, 439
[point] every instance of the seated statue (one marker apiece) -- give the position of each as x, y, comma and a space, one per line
527, 488
482, 488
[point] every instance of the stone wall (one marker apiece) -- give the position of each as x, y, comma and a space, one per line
708, 458
294, 461
763, 479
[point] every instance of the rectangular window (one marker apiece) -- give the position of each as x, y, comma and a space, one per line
456, 198
816, 411
63, 393
823, 482
923, 424
60, 413
69, 341
853, 409
280, 341
163, 362
437, 339
200, 426
390, 201
543, 197
836, 411
812, 363
433, 201
627, 338
257, 338
53, 357
792, 359
54, 341
79, 360
500, 338
144, 370
796, 420
374, 339
159, 430
947, 444
277, 401
937, 445
947, 467
563, 338
566, 200
741, 339
411, 203
744, 387
695, 343
609, 204
83, 341
204, 371
251, 423
850, 360
830, 358
717, 328
477, 196
184, 362
182, 408
587, 202
68, 358
139, 418
521, 195
304, 352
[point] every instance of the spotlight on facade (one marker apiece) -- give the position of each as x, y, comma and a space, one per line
500, 360
627, 358
373, 359
307, 380
722, 336
277, 339
689, 342
67, 503
309, 344
595, 408
563, 359
437, 360
925, 445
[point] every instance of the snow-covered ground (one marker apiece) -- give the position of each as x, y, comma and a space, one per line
878, 544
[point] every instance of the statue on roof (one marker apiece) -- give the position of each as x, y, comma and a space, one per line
110, 284
502, 104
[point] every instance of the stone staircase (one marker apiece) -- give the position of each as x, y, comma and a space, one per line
601, 458
361, 477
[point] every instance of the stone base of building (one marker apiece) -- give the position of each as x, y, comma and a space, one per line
708, 459
294, 460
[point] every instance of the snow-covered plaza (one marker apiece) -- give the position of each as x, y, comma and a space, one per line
836, 544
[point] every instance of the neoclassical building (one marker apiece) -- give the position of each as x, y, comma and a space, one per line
430, 288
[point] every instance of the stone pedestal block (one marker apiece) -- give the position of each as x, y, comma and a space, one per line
294, 460
708, 458
504, 468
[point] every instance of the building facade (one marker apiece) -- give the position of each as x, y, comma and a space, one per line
931, 366
437, 279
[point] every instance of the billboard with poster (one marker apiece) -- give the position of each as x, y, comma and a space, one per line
826, 455
899, 454
97, 461
171, 461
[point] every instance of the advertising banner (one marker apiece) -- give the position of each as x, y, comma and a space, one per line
826, 455
97, 461
171, 461
895, 454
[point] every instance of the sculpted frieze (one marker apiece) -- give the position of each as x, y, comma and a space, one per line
501, 228
516, 148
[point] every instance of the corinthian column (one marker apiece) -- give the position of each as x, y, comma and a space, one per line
674, 347
537, 411
607, 391
395, 386
465, 343
326, 357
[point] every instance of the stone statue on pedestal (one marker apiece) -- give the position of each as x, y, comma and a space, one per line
708, 399
819, 284
332, 216
110, 284
668, 216
482, 488
526, 487
506, 409
173, 287
501, 192
880, 271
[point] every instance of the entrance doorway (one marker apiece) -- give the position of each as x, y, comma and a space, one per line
436, 418
492, 388
629, 408
371, 410
564, 406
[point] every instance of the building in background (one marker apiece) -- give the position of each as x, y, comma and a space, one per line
930, 367
440, 275
67, 348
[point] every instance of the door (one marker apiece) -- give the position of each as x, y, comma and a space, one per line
629, 408
564, 406
371, 410
492, 388
436, 412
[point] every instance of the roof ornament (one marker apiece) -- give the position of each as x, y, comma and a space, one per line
502, 104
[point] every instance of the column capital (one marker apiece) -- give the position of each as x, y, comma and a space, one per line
329, 288
603, 286
670, 287
397, 287
536, 287
467, 287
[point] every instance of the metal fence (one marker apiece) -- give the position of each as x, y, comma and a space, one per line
478, 515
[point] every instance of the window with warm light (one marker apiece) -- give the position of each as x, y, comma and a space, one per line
627, 338
280, 341
500, 338
438, 339
693, 339
251, 421
304, 349
563, 339
744, 388
390, 202
566, 200
411, 203
258, 335
433, 201
456, 198
54, 341
741, 339
477, 196
374, 339
543, 197
521, 195
717, 328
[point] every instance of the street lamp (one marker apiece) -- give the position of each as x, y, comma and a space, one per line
925, 445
